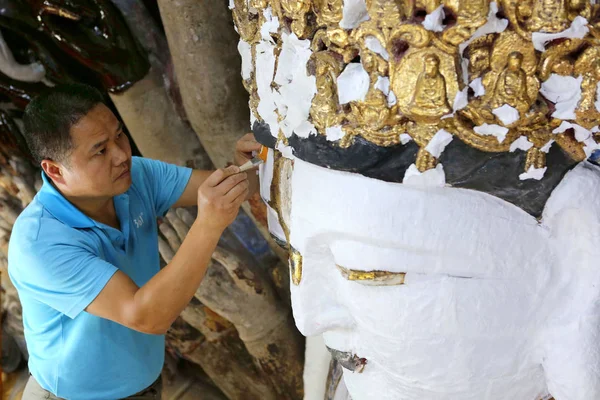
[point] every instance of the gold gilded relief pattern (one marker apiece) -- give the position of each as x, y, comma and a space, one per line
425, 69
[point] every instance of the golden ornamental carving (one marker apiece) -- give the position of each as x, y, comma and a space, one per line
450, 78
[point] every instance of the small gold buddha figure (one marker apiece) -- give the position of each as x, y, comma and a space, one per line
430, 100
328, 12
511, 86
479, 55
324, 108
549, 16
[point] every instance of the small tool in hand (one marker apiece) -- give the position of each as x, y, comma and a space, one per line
260, 158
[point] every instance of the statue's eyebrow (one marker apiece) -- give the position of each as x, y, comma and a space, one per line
375, 278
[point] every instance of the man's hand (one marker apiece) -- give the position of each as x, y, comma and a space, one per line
243, 152
220, 197
244, 148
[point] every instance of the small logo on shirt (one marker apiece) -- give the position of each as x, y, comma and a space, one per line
139, 221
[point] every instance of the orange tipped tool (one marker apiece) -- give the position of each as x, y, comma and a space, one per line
260, 158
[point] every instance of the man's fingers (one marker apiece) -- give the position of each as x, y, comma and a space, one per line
240, 193
221, 174
248, 144
230, 182
236, 191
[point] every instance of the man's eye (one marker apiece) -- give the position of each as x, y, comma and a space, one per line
101, 152
119, 135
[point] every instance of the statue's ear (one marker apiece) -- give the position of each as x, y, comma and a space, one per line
573, 209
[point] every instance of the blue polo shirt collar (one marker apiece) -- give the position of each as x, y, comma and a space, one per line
64, 211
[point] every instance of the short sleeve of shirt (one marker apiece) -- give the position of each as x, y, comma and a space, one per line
164, 182
64, 276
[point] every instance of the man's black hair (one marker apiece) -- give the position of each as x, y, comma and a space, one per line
49, 117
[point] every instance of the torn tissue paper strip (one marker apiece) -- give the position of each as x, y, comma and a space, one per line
565, 93
546, 147
305, 129
271, 25
383, 84
353, 13
492, 130
507, 114
533, 173
438, 143
353, 83
477, 87
461, 100
246, 53
522, 143
493, 25
265, 68
434, 21
296, 87
375, 46
286, 151
405, 138
581, 133
431, 178
334, 133
577, 30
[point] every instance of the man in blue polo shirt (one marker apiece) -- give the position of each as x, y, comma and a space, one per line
84, 254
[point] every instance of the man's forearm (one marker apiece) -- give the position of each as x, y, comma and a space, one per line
160, 301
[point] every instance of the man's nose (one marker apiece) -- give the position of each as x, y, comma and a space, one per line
119, 155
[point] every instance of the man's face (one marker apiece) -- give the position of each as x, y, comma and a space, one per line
100, 161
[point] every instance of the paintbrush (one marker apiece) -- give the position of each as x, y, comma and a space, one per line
260, 158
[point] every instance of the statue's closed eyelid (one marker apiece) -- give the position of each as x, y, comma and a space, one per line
373, 278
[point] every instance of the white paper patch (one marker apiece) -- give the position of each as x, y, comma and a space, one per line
231, 5
353, 83
433, 21
246, 53
477, 87
493, 25
581, 133
431, 178
547, 146
533, 173
286, 151
521, 143
492, 130
438, 143
507, 114
577, 30
353, 13
334, 133
565, 93
271, 25
590, 146
376, 47
265, 67
461, 100
405, 138
305, 129
383, 84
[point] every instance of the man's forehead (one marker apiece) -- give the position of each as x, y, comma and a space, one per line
98, 122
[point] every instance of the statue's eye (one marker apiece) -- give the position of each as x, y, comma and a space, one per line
373, 278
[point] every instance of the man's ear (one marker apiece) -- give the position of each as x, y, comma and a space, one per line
54, 170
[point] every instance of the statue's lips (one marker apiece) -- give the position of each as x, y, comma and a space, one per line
348, 360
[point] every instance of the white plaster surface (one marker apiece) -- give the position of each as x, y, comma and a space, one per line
375, 46
431, 178
305, 129
577, 30
438, 142
246, 53
492, 130
522, 143
477, 87
265, 69
492, 25
296, 87
316, 368
405, 138
271, 25
496, 305
433, 21
565, 92
353, 13
353, 83
581, 133
507, 114
334, 133
533, 173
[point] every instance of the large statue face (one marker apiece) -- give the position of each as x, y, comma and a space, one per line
446, 249
486, 290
